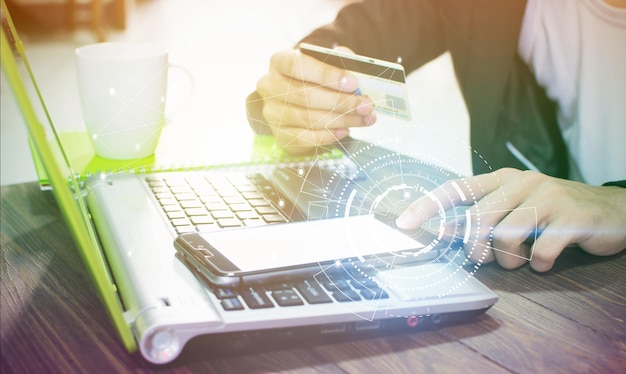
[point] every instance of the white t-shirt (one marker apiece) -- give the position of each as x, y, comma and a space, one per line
577, 50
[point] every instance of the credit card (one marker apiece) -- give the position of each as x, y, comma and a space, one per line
382, 81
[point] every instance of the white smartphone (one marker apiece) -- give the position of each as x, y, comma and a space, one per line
277, 252
382, 81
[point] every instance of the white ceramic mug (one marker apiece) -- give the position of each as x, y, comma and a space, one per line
123, 88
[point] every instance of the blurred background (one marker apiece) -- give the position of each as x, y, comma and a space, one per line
226, 44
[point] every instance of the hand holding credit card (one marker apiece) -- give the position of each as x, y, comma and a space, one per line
382, 81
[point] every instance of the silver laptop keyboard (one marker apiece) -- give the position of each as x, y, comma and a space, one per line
193, 202
212, 201
323, 288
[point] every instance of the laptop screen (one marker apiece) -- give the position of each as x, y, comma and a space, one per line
56, 172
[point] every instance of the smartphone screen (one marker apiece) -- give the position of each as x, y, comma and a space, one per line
293, 246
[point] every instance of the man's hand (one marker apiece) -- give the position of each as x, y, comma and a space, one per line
308, 103
511, 206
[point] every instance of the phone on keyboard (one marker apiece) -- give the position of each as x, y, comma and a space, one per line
232, 257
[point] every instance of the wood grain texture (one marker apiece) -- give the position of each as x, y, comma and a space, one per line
570, 320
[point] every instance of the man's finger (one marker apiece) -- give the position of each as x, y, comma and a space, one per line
548, 247
513, 236
464, 191
283, 114
306, 68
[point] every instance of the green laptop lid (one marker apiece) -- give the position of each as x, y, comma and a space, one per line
54, 166
64, 159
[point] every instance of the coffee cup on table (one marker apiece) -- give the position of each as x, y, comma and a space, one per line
123, 89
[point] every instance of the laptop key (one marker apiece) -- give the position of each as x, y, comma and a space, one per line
185, 196
336, 284
252, 195
191, 204
260, 203
212, 199
224, 293
232, 303
273, 218
202, 220
169, 202
247, 215
346, 295
215, 206
229, 222
286, 297
256, 298
181, 222
176, 214
172, 209
196, 212
363, 283
217, 214
312, 292
237, 199
207, 227
185, 229
266, 209
243, 207
373, 294
180, 189
249, 222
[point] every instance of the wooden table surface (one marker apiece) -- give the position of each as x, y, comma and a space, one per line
568, 320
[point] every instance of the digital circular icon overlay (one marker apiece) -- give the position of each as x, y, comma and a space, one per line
375, 180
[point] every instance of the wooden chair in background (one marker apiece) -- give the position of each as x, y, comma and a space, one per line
46, 15
98, 14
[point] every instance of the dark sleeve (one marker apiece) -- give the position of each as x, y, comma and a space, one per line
621, 183
384, 29
387, 29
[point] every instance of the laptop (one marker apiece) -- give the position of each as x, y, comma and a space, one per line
125, 223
